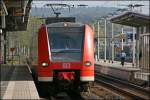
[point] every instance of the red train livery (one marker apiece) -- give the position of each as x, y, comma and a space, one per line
65, 56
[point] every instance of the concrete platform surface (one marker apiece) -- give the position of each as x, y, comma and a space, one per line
126, 72
117, 65
20, 85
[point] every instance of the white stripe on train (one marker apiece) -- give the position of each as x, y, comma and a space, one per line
87, 78
83, 78
45, 79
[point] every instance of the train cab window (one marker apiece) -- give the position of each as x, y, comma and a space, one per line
65, 44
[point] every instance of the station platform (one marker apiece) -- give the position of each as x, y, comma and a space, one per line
17, 83
115, 69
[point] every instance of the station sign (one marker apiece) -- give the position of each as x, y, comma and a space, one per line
12, 49
122, 36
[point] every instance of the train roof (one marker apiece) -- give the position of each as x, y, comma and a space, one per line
65, 24
50, 20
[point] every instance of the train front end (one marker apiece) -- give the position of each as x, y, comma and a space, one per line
66, 55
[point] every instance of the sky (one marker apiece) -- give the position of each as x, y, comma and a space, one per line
119, 4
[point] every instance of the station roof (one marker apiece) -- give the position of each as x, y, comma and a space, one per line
18, 14
3, 9
131, 19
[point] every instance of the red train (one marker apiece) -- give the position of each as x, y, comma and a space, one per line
65, 56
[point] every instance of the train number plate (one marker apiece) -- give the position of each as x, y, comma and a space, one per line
66, 65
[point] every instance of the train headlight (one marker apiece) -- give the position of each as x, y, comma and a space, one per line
44, 64
87, 63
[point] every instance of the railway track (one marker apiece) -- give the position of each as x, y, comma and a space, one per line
125, 89
71, 96
66, 96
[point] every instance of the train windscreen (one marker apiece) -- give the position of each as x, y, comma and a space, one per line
66, 43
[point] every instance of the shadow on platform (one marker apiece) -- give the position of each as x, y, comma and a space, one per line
15, 73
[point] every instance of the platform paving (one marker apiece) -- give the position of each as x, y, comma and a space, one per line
19, 86
5, 77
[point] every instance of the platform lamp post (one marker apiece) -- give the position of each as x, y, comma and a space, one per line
112, 43
105, 40
108, 42
98, 42
122, 30
133, 46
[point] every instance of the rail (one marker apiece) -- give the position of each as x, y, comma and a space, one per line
125, 89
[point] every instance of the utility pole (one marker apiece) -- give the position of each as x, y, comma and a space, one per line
133, 46
112, 51
105, 42
1, 46
137, 45
122, 38
5, 47
98, 40
19, 49
3, 24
